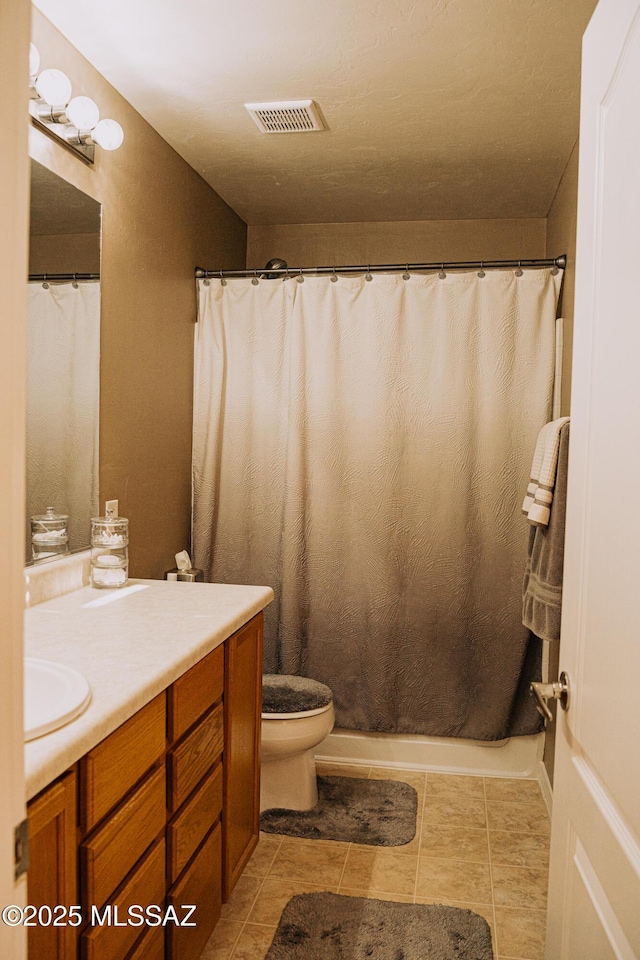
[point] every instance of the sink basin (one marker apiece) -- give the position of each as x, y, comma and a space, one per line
53, 695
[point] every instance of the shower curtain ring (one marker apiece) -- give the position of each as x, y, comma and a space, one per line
74, 283
481, 272
300, 278
254, 280
519, 271
442, 273
406, 275
223, 282
367, 275
334, 278
45, 285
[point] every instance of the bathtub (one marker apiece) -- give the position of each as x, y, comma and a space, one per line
514, 757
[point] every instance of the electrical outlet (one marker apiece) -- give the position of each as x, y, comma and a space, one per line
111, 508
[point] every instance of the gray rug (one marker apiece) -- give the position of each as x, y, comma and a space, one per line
377, 812
327, 926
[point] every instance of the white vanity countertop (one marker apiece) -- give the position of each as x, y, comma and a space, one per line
130, 644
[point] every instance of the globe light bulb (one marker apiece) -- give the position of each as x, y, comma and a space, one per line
54, 87
83, 113
34, 60
108, 134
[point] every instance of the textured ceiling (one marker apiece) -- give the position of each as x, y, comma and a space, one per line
439, 109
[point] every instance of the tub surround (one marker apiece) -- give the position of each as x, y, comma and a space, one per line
130, 644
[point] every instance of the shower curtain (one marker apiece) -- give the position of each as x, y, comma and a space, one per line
363, 446
63, 393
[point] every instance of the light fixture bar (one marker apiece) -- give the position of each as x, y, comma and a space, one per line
59, 132
73, 122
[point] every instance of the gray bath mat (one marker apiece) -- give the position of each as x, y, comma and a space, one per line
327, 926
377, 812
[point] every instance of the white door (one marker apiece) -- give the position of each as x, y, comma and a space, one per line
594, 896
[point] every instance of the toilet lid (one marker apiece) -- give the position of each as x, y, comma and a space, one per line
282, 693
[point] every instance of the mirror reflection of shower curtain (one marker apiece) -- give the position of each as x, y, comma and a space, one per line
363, 448
63, 395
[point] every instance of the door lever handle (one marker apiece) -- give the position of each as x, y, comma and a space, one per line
551, 691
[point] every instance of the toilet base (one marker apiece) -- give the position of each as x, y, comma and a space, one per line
289, 783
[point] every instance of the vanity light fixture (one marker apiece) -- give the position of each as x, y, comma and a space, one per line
75, 121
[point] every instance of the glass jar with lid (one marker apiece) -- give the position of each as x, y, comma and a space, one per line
49, 534
109, 552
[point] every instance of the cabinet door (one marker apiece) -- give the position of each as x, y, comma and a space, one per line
199, 885
52, 877
150, 947
243, 707
188, 828
131, 750
107, 855
194, 756
112, 937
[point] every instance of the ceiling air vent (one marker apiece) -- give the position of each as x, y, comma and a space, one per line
288, 116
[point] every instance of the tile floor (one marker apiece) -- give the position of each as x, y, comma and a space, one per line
482, 843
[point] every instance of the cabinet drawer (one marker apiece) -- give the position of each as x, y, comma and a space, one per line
195, 692
145, 886
189, 761
151, 947
107, 856
189, 827
109, 771
201, 884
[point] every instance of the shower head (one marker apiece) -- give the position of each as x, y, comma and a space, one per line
275, 264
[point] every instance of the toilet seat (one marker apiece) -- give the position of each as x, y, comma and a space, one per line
298, 715
284, 696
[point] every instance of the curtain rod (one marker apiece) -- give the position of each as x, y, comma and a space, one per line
44, 277
559, 262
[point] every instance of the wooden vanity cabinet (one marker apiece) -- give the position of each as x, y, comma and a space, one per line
143, 886
123, 817
150, 946
242, 711
119, 761
165, 810
195, 770
53, 879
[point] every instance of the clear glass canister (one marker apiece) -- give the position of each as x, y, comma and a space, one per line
109, 551
49, 534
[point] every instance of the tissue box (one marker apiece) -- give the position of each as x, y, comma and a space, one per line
190, 576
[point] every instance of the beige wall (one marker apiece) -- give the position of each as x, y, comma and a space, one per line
69, 253
160, 220
561, 238
419, 241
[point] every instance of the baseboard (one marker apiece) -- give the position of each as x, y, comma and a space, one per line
545, 786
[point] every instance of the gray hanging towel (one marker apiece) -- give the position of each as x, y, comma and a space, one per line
542, 586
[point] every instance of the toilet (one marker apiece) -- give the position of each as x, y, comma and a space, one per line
297, 714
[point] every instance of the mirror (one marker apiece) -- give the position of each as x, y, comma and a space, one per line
63, 365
